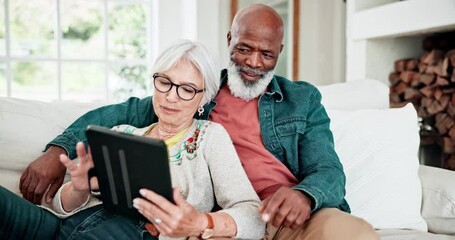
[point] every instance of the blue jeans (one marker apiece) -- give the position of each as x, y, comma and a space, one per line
20, 219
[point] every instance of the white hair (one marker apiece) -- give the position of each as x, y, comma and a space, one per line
244, 89
198, 55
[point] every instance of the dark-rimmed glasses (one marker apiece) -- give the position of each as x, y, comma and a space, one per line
184, 91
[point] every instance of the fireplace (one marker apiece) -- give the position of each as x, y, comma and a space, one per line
383, 35
428, 82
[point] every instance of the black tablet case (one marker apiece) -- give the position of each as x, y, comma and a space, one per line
125, 163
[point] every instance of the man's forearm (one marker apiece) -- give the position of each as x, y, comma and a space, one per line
136, 112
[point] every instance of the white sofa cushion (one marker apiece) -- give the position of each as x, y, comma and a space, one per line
438, 207
402, 234
359, 94
26, 127
378, 149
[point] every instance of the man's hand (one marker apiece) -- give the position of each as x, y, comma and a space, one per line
45, 172
288, 207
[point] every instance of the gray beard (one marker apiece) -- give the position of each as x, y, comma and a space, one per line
245, 89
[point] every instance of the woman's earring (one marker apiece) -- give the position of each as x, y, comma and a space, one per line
200, 110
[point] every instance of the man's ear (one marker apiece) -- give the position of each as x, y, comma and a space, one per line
281, 48
229, 38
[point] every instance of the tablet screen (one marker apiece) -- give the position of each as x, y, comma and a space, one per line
124, 164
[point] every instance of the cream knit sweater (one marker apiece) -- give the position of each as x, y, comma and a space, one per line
213, 174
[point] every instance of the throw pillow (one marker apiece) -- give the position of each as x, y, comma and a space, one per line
379, 152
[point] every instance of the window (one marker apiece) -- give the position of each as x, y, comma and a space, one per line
82, 50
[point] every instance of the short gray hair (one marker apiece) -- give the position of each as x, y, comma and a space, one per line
198, 55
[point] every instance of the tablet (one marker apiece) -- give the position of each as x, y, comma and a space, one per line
125, 163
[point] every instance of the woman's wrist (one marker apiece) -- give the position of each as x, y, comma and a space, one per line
72, 198
78, 194
201, 224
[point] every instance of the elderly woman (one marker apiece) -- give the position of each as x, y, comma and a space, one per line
205, 172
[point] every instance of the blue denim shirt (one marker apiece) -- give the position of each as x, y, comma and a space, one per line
294, 127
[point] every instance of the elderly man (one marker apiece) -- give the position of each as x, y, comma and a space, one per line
279, 128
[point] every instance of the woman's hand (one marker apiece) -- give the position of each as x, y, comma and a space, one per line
77, 191
79, 172
174, 220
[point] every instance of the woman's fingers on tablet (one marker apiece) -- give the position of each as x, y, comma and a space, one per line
151, 211
94, 183
81, 153
89, 157
156, 199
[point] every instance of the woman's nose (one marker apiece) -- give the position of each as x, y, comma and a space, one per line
172, 95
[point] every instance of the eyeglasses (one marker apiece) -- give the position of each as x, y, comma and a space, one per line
184, 91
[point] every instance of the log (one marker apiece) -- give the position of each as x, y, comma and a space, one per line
427, 91
437, 94
422, 67
451, 56
426, 79
439, 117
412, 64
441, 81
400, 88
444, 125
433, 57
449, 90
415, 83
430, 69
426, 102
421, 112
444, 101
424, 56
407, 76
451, 134
411, 94
394, 78
400, 65
447, 145
434, 108
442, 68
451, 110
395, 98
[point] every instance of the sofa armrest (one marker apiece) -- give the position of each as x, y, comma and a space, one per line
438, 203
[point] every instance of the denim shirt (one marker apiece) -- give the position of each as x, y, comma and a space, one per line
294, 127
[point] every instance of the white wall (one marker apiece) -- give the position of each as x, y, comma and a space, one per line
203, 20
322, 50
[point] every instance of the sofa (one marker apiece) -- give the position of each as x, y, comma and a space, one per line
378, 147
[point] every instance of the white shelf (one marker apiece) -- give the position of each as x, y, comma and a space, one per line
404, 18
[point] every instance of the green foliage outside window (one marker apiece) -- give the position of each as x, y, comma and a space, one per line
126, 35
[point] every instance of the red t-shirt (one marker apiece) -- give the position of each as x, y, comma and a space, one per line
241, 120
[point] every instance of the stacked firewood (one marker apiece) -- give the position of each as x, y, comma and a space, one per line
429, 83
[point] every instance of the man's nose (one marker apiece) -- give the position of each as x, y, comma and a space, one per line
254, 60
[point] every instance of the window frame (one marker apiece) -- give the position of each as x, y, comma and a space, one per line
7, 59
